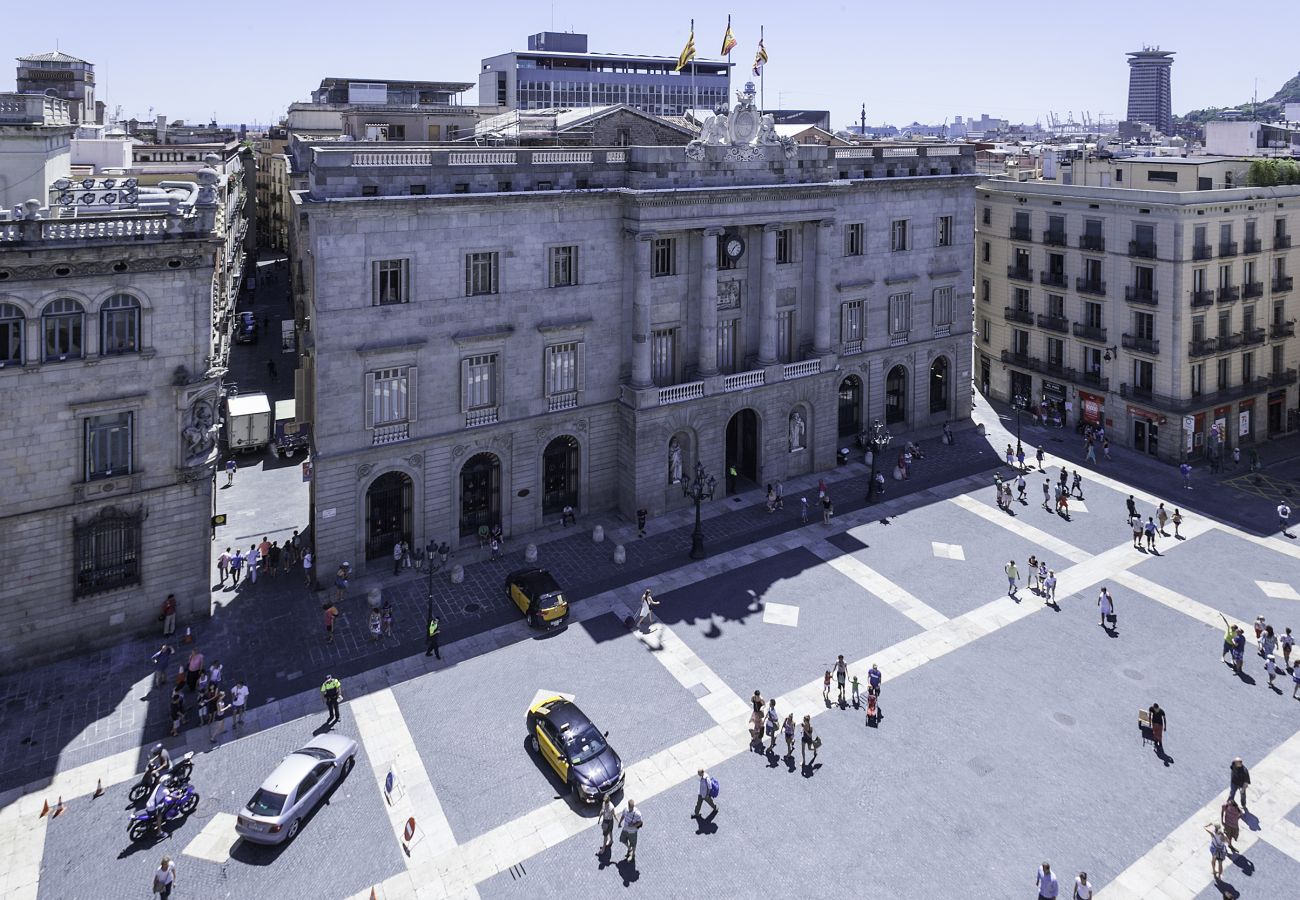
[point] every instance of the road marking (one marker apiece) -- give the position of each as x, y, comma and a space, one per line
947, 551
720, 701
781, 614
1272, 542
1285, 836
215, 841
1023, 529
1278, 590
878, 585
542, 695
390, 747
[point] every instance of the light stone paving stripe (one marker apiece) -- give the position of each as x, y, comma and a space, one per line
389, 745
1285, 836
874, 583
1272, 542
1178, 868
215, 841
1025, 530
1278, 590
721, 702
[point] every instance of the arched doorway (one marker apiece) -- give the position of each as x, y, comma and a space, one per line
896, 395
559, 475
480, 493
940, 386
742, 450
388, 513
850, 408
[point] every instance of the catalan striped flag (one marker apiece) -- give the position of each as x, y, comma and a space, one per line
760, 58
688, 52
728, 39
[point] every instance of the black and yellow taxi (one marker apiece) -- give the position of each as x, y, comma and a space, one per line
575, 748
538, 596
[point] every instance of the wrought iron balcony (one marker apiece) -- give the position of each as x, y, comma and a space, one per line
1090, 332
1094, 242
1202, 251
1088, 286
1283, 284
1094, 379
1019, 233
1229, 295
1227, 248
1202, 298
1020, 274
1137, 392
1198, 347
1053, 279
1252, 289
1148, 296
1142, 249
1281, 379
1015, 314
1252, 336
1228, 341
1140, 344
1055, 238
1054, 323
1252, 245
1281, 330
1281, 242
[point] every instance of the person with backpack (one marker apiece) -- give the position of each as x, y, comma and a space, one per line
771, 725
708, 791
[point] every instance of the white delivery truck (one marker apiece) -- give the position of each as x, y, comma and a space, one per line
248, 422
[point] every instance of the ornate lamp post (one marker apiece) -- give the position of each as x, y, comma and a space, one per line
877, 438
699, 489
1018, 401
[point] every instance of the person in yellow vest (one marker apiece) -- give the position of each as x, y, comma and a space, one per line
332, 691
431, 645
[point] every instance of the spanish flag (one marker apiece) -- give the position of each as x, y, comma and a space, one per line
759, 58
688, 52
728, 39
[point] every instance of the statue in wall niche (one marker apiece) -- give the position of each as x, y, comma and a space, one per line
674, 462
798, 431
200, 433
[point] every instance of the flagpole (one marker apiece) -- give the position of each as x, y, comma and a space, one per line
762, 77
692, 69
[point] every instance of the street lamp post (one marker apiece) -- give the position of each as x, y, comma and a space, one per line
699, 489
877, 439
1018, 402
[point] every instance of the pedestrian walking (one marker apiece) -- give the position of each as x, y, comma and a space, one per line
307, 573
231, 469
1218, 849
177, 705
1049, 587
1076, 484
1238, 649
341, 582
236, 567
238, 702
1254, 460
1132, 507
1020, 457
1042, 576
168, 616
397, 558
1259, 633
756, 702
803, 510
641, 515
254, 562
387, 617
1039, 457
1020, 487
1284, 518
1090, 453
606, 816
431, 639
771, 498
332, 692
1267, 642
1046, 881
1105, 449
1065, 479
193, 669
841, 676
629, 823
809, 740
375, 624
787, 729
161, 663
1287, 642
1010, 457
1230, 818
772, 723
1082, 887
1047, 493
164, 878
646, 612
215, 673
1013, 578
1186, 471
706, 794
826, 687
220, 709
1236, 456
1032, 573
947, 433
1150, 530
273, 559
1106, 603
270, 368
780, 494
1177, 520
1238, 780
331, 613
1295, 679
1158, 722
223, 566
828, 509
1270, 669
1161, 518
1135, 525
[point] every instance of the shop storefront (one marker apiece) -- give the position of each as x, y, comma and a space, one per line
1051, 404
1144, 427
1246, 421
1092, 408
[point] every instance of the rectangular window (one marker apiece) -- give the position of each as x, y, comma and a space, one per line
1224, 369
900, 314
984, 330
944, 237
1248, 367
1198, 280
986, 216
1056, 306
663, 257
389, 396
563, 266
1020, 342
1055, 352
1020, 297
785, 340
1143, 374
481, 273
663, 356
785, 245
943, 306
986, 291
853, 325
564, 368
854, 243
107, 551
898, 235
725, 260
1225, 276
108, 445
728, 334
417, 189
1092, 315
986, 252
1144, 326
369, 190
391, 281
478, 382
1198, 379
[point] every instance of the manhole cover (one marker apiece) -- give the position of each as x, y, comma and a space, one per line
980, 766
1134, 674
1063, 718
472, 607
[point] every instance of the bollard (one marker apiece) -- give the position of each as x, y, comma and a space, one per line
598, 534
530, 553
620, 555
458, 574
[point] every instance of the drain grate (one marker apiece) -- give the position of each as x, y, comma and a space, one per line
472, 607
517, 871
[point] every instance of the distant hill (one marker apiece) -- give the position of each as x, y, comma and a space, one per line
1265, 109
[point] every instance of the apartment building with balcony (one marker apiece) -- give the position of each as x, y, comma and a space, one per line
495, 334
1168, 313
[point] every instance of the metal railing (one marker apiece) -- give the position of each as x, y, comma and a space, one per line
1281, 330
1086, 286
1094, 242
1142, 249
1015, 314
1147, 296
1052, 279
1281, 242
1252, 289
1285, 283
1202, 298
1197, 347
1227, 248
1020, 274
1140, 344
1202, 251
1019, 233
1228, 341
1252, 336
1281, 379
1055, 238
1089, 332
1229, 294
1252, 245
1054, 323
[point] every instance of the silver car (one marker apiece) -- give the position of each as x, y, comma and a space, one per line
292, 791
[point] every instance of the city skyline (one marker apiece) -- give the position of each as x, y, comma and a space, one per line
950, 74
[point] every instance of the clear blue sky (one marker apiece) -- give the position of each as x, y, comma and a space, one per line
932, 61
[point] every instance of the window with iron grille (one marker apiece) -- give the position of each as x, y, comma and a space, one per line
119, 325
663, 257
564, 366
944, 231
852, 321
390, 395
785, 245
943, 306
900, 313
854, 243
563, 266
663, 356
107, 551
108, 445
898, 235
481, 273
785, 339
478, 382
390, 281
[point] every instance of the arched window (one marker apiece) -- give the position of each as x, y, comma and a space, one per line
119, 325
11, 334
939, 388
62, 323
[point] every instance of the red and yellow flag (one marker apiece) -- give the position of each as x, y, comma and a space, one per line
688, 52
728, 39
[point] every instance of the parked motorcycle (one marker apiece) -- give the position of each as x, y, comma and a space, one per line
180, 800
180, 773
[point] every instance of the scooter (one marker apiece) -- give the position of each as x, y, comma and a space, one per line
180, 773
181, 800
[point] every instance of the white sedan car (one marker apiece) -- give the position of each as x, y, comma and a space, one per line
291, 792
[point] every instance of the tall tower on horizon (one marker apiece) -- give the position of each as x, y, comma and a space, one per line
1149, 98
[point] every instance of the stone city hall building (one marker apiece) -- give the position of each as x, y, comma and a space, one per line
491, 335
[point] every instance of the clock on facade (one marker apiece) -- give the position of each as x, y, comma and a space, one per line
734, 246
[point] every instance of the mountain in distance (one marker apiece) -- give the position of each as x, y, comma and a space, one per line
1265, 110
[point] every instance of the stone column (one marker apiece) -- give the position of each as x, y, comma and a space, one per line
822, 290
641, 302
708, 356
767, 299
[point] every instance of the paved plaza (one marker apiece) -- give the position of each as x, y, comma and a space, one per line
1009, 731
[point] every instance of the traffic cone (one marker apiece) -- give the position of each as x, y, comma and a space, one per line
372, 894
99, 788
189, 638
58, 808
45, 810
